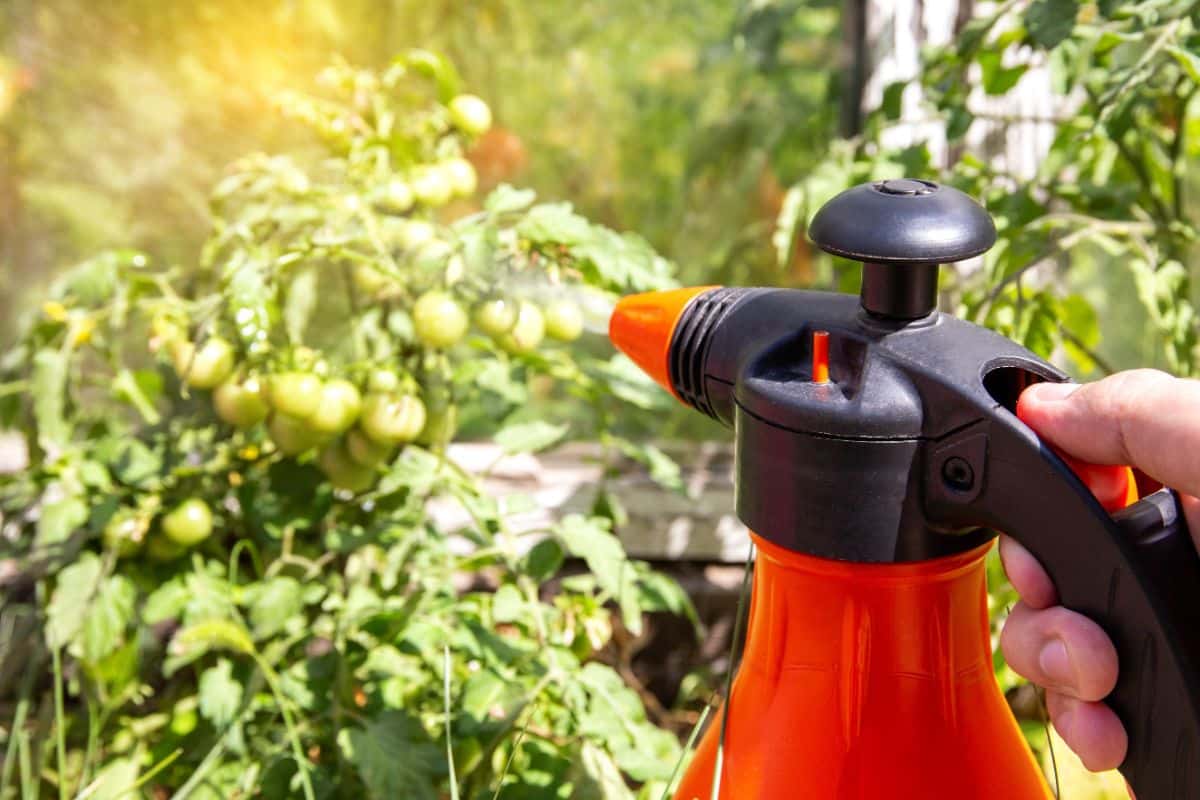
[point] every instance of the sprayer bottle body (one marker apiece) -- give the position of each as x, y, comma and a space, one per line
867, 681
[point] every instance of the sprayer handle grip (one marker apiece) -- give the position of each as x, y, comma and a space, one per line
1137, 574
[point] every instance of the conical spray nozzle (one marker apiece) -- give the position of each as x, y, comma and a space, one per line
643, 325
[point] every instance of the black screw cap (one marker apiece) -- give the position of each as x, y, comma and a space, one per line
902, 229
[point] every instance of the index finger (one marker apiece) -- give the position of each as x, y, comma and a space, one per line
1144, 418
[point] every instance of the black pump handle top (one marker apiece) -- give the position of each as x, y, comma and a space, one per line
902, 230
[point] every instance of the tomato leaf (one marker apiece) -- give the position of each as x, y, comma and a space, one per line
505, 199
69, 602
395, 757
529, 437
220, 694
109, 613
49, 391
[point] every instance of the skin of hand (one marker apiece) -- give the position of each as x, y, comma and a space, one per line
1143, 418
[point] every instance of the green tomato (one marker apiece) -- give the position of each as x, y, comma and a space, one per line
292, 435
366, 451
160, 548
438, 319
189, 523
343, 471
369, 280
470, 114
564, 320
396, 197
203, 367
338, 407
461, 175
125, 532
431, 187
383, 380
528, 331
296, 394
496, 317
440, 427
242, 405
392, 419
415, 233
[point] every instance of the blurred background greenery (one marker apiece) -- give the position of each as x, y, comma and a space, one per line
682, 120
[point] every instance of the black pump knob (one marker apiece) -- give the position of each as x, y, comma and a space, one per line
902, 230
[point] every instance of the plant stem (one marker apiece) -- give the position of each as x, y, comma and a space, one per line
60, 735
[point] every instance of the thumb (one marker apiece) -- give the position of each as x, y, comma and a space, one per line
1144, 418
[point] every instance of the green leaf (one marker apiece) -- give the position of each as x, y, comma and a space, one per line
273, 604
1188, 60
588, 538
59, 520
115, 780
301, 300
487, 695
554, 223
69, 602
204, 637
508, 605
109, 613
893, 97
543, 560
166, 602
604, 781
505, 199
48, 390
1049, 22
395, 757
998, 79
140, 389
220, 694
663, 469
529, 437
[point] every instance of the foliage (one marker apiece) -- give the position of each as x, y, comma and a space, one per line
678, 119
1107, 211
225, 537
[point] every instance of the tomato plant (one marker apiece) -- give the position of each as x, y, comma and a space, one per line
224, 527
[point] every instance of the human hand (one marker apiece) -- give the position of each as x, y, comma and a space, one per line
1143, 418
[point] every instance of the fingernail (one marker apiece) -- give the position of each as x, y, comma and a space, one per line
1053, 392
1056, 663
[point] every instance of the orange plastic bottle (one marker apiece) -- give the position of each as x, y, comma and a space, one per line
867, 682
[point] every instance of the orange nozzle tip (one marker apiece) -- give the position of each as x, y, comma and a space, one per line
642, 326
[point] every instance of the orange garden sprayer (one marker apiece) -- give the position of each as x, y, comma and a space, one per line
878, 450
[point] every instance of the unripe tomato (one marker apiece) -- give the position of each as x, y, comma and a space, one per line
431, 255
438, 319
470, 114
415, 233
125, 532
203, 367
392, 419
366, 451
369, 280
496, 317
344, 472
396, 197
296, 394
291, 435
430, 187
564, 320
338, 408
528, 331
382, 381
461, 175
440, 427
242, 404
189, 523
